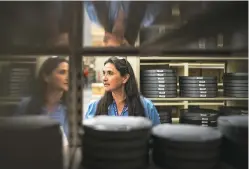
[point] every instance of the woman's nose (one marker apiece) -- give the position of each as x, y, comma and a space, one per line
66, 77
104, 78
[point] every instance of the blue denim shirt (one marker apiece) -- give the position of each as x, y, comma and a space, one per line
60, 113
153, 9
150, 110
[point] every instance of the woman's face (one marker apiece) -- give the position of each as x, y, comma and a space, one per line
112, 79
59, 77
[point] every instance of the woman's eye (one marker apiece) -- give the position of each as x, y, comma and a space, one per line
62, 71
109, 72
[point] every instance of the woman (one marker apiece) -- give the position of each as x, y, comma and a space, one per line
114, 16
49, 94
121, 96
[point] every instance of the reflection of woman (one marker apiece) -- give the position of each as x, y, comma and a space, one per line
122, 96
114, 16
48, 97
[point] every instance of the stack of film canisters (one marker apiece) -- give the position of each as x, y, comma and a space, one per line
198, 86
197, 116
233, 110
30, 142
235, 85
158, 83
18, 79
234, 147
165, 114
183, 146
112, 142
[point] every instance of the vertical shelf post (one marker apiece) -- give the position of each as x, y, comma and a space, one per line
75, 100
186, 73
135, 64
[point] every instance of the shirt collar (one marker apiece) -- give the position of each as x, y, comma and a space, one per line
59, 107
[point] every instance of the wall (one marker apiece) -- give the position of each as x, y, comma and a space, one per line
99, 64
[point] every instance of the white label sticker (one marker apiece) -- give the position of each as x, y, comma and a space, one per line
204, 118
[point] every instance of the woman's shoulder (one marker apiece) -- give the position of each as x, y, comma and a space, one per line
151, 110
91, 110
146, 101
22, 107
93, 103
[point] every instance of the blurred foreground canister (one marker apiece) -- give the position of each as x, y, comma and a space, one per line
234, 148
182, 146
30, 142
112, 142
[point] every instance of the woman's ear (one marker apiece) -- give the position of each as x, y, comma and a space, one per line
126, 78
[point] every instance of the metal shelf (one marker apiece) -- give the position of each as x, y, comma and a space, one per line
189, 104
177, 54
215, 57
198, 99
218, 101
34, 52
206, 103
9, 98
190, 65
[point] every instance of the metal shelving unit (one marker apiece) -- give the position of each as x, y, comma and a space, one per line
136, 56
184, 64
